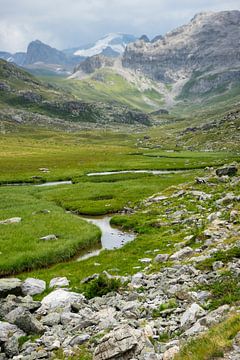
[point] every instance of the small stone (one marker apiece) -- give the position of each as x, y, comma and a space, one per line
59, 282
14, 220
182, 254
161, 258
217, 265
49, 237
145, 260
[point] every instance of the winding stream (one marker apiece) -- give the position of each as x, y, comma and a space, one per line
112, 238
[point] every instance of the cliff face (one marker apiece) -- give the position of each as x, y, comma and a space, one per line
209, 42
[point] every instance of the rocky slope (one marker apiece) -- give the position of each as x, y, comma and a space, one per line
155, 312
208, 42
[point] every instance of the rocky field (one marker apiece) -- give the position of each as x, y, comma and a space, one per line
181, 305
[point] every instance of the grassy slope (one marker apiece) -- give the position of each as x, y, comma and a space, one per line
110, 87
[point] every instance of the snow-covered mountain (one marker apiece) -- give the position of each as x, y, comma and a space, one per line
112, 44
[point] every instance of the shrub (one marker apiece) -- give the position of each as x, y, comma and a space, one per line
101, 286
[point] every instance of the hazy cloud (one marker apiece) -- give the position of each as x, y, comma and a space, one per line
69, 23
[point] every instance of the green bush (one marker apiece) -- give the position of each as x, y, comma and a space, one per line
101, 286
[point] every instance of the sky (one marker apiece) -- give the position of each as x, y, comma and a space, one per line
69, 23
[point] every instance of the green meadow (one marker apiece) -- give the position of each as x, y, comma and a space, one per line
72, 156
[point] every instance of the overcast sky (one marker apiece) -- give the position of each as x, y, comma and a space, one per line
69, 23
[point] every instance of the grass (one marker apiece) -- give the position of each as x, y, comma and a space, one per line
20, 245
108, 86
212, 344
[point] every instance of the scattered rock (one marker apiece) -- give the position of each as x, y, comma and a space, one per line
32, 286
14, 220
10, 286
182, 254
170, 353
228, 170
59, 282
49, 237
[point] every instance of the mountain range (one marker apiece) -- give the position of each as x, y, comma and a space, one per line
194, 67
40, 56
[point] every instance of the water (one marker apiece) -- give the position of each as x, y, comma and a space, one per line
154, 172
112, 238
54, 183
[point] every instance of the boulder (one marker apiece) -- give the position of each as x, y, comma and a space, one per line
29, 324
10, 286
8, 330
191, 315
60, 298
33, 286
124, 342
59, 282
227, 170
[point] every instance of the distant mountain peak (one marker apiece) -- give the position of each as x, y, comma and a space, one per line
116, 42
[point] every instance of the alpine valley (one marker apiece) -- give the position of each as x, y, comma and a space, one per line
120, 196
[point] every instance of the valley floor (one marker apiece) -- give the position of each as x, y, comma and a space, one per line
182, 266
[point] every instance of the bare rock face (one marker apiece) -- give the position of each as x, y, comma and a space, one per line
208, 42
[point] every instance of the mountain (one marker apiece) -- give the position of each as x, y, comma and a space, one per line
113, 43
25, 99
196, 62
205, 54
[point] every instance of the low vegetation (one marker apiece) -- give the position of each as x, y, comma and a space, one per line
214, 343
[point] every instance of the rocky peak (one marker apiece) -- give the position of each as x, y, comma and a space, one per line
93, 63
37, 51
208, 41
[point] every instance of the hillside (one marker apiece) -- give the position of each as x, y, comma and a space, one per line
32, 100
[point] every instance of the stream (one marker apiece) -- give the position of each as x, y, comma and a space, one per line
112, 238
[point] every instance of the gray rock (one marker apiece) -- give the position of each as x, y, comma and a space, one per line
182, 254
228, 170
170, 353
191, 315
51, 319
79, 339
215, 316
217, 265
60, 298
59, 282
8, 330
121, 343
10, 286
33, 286
14, 220
161, 258
196, 329
29, 324
11, 347
145, 260
49, 237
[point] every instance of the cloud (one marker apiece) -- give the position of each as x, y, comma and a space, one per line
69, 23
